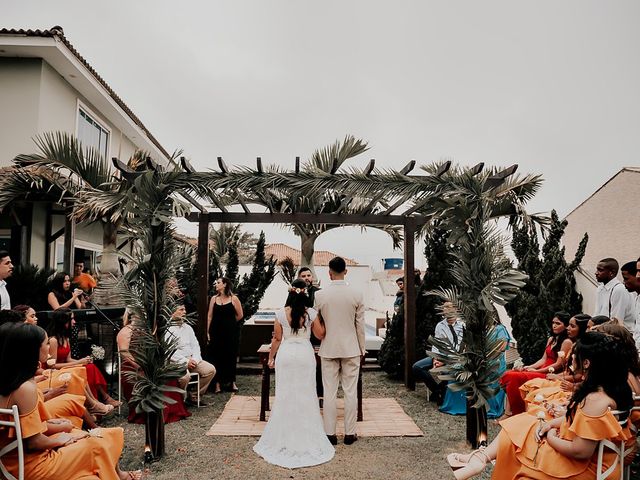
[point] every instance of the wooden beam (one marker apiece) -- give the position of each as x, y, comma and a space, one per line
203, 280
125, 171
320, 218
297, 164
222, 165
53, 237
409, 303
151, 165
69, 239
476, 169
219, 204
242, 203
418, 205
186, 165
259, 164
495, 180
193, 201
394, 206
370, 166
444, 168
408, 167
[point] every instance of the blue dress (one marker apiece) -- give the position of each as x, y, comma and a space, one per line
455, 403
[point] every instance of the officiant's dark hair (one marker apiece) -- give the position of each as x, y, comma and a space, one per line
298, 303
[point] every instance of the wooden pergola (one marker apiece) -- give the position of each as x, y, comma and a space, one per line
397, 214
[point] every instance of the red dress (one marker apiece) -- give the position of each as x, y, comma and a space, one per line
513, 379
94, 375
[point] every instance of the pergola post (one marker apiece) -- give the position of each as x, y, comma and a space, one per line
69, 237
203, 278
409, 302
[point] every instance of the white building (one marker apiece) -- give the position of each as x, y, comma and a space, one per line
47, 86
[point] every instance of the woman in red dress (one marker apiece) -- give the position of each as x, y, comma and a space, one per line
60, 351
564, 333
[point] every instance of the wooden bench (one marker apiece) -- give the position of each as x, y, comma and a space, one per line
263, 353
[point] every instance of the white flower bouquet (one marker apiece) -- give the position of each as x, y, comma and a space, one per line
97, 352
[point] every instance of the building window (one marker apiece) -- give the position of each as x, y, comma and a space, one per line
92, 134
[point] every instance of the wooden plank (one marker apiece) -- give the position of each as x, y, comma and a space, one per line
409, 303
326, 218
203, 281
69, 241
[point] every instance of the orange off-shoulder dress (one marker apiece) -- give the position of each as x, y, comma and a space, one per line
517, 447
90, 456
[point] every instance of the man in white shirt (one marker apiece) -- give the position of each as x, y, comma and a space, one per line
449, 328
612, 298
632, 285
188, 353
6, 269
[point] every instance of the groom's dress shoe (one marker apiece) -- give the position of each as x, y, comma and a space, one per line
333, 439
349, 439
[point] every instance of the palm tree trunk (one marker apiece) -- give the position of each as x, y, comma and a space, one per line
307, 249
106, 292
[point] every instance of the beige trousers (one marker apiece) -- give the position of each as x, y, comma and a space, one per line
206, 371
344, 371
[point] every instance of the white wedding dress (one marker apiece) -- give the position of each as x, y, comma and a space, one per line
294, 437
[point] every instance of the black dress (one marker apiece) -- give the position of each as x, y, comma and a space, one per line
224, 332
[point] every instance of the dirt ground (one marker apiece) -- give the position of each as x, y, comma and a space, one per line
191, 455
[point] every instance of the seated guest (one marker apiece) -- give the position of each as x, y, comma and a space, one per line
53, 448
10, 316
60, 353
455, 403
130, 370
450, 328
61, 294
552, 360
28, 314
565, 447
188, 353
82, 280
597, 320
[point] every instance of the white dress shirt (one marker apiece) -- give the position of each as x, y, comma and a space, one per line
5, 300
188, 346
612, 300
443, 331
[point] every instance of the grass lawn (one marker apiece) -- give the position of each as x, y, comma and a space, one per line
193, 456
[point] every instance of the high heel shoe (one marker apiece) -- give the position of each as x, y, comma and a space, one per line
475, 465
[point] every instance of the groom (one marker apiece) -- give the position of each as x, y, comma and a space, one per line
342, 312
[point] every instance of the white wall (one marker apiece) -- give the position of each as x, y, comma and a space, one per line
19, 100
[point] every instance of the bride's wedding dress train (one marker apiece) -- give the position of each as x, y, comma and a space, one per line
294, 437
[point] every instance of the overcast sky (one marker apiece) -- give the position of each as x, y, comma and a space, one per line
550, 85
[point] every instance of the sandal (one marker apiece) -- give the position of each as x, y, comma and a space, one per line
477, 462
113, 402
134, 474
455, 462
99, 408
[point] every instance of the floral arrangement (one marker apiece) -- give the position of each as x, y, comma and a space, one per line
95, 432
97, 352
65, 377
298, 291
518, 364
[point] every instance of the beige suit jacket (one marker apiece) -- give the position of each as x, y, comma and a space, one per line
342, 310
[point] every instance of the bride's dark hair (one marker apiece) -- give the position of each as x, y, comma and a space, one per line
297, 300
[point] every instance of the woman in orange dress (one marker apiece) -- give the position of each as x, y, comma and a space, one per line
550, 361
566, 447
53, 448
60, 353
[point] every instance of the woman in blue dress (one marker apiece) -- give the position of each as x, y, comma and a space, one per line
455, 403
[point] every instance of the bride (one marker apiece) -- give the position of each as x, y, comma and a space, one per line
294, 437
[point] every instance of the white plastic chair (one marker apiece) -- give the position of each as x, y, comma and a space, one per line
195, 380
17, 443
619, 448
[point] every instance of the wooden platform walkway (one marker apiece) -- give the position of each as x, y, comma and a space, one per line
383, 417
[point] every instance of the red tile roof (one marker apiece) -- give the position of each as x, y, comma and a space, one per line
320, 258
58, 33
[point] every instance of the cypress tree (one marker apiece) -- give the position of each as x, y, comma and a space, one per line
551, 286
